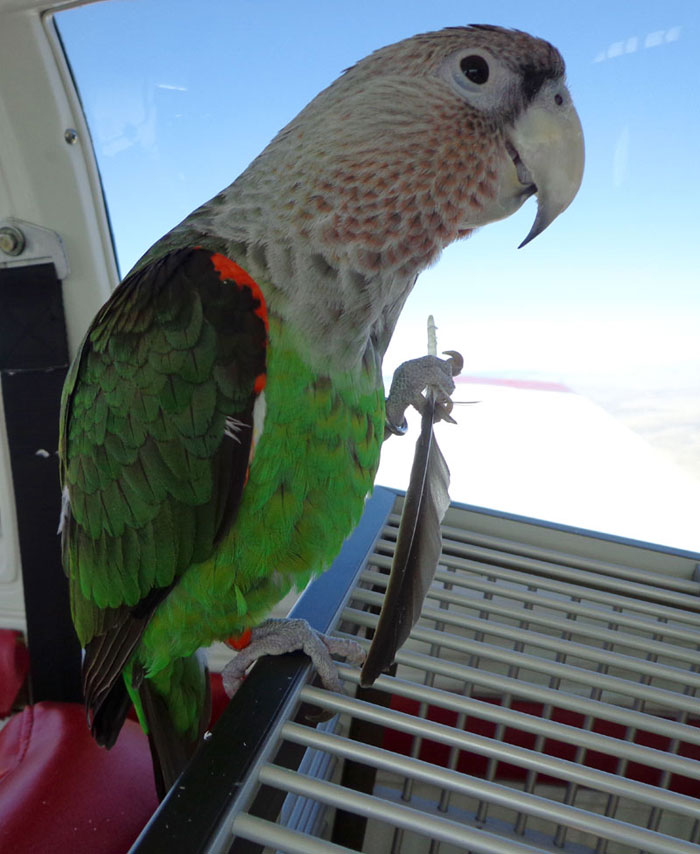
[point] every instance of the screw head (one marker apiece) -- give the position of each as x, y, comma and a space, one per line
12, 240
70, 136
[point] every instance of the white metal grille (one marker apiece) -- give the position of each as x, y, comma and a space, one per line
546, 701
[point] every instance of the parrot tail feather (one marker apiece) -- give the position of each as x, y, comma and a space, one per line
171, 747
109, 717
107, 700
106, 658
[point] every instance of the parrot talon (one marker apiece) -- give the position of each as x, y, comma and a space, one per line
391, 429
278, 636
443, 410
456, 360
409, 381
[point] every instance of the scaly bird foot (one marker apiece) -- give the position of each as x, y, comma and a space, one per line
409, 381
275, 637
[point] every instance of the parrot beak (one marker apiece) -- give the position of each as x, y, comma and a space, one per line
547, 141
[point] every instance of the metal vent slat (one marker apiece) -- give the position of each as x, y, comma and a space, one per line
555, 584
530, 723
550, 765
571, 604
524, 661
497, 794
566, 647
607, 606
454, 537
399, 815
688, 654
269, 833
594, 709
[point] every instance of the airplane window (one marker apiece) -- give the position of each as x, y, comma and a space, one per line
581, 348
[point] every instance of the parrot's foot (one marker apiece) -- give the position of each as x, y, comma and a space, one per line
275, 637
409, 381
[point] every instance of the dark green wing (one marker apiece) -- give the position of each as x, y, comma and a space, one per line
156, 427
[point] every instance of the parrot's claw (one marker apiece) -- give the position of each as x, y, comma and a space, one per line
411, 378
276, 637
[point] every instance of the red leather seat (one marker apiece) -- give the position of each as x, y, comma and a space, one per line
62, 794
14, 664
59, 792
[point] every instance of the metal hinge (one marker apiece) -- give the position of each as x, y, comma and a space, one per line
23, 244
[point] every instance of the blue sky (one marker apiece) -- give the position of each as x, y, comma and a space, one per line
182, 95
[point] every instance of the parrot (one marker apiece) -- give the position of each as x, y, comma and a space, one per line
222, 421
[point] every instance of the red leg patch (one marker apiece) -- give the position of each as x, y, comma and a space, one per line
239, 642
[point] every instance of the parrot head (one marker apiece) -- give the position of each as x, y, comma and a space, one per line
519, 81
423, 141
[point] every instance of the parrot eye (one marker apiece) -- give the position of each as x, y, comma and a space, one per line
475, 68
477, 77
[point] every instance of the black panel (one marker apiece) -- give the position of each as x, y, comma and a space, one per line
33, 363
32, 326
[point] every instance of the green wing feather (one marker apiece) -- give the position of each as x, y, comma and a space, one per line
152, 475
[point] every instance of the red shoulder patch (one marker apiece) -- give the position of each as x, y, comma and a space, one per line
229, 271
